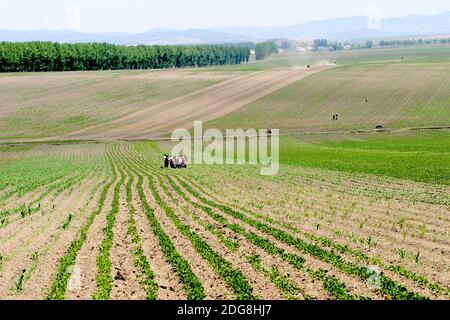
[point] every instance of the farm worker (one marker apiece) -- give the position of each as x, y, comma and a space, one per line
184, 161
177, 162
166, 161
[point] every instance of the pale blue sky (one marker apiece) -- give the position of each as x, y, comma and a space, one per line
141, 15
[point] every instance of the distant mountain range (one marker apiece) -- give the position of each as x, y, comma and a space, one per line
350, 28
155, 36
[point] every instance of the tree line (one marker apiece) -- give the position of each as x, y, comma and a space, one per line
265, 49
413, 42
49, 56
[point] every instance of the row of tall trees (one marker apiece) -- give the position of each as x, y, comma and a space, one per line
49, 56
413, 42
320, 44
265, 49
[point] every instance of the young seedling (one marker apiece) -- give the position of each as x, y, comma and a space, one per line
35, 256
417, 258
401, 253
67, 222
20, 281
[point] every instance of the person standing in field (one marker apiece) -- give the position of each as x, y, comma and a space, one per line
166, 161
177, 162
184, 161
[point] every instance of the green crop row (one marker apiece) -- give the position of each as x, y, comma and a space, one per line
400, 270
141, 261
104, 279
30, 173
230, 244
289, 289
139, 256
387, 286
424, 282
59, 284
34, 206
331, 284
192, 285
336, 288
234, 278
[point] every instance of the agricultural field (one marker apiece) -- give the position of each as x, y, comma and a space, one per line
40, 105
399, 95
87, 212
138, 232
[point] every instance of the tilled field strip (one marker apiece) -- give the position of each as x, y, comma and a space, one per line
371, 239
246, 248
242, 252
287, 254
207, 104
321, 274
81, 252
24, 260
39, 284
174, 262
131, 231
416, 282
12, 202
383, 247
24, 232
41, 206
345, 266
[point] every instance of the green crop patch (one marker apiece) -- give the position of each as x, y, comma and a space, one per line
422, 158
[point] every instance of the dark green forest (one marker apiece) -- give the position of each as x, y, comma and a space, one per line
265, 49
49, 56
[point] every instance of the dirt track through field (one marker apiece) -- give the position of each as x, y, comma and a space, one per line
206, 104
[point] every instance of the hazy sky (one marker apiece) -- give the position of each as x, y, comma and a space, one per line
141, 15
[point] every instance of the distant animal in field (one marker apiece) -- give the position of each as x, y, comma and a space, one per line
379, 126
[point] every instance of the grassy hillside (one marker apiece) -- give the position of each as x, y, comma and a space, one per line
399, 95
424, 54
35, 105
410, 93
417, 156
